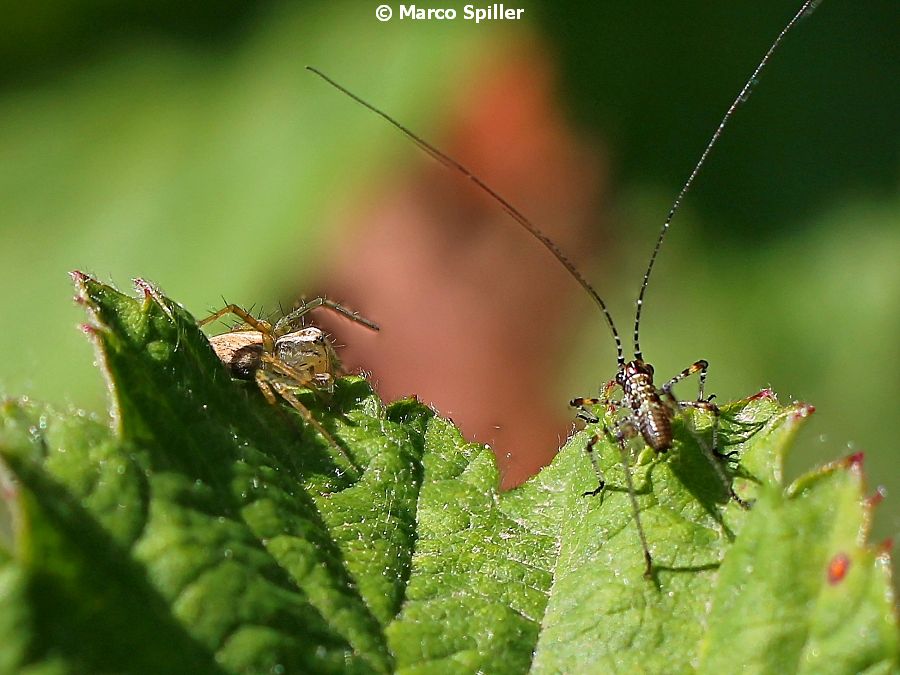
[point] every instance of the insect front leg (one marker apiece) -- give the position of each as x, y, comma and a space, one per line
632, 497
588, 417
625, 429
582, 404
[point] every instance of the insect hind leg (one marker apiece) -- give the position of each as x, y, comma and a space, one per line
624, 430
621, 436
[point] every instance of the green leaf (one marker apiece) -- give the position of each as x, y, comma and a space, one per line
208, 531
819, 600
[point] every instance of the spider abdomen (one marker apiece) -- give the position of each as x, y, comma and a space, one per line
240, 351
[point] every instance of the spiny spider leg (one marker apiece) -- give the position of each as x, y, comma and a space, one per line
299, 376
245, 316
293, 320
260, 325
270, 384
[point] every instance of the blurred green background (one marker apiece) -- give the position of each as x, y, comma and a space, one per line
186, 145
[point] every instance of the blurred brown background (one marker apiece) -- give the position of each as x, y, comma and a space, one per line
188, 146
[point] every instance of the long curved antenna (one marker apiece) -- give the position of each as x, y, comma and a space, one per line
516, 215
807, 7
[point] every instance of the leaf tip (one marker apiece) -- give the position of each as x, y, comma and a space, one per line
854, 462
80, 280
78, 277
802, 410
766, 393
145, 287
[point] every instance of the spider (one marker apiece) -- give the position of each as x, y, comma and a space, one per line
284, 357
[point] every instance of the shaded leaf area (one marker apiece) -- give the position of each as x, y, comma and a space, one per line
211, 532
215, 508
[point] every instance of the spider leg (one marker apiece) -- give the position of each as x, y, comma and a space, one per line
306, 376
263, 327
300, 377
270, 385
293, 320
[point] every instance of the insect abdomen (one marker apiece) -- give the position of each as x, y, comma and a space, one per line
655, 424
654, 419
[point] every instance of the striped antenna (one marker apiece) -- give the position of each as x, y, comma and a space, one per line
742, 97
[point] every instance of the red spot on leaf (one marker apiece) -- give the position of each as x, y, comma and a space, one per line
763, 393
837, 568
